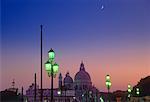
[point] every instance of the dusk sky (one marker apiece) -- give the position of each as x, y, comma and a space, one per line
110, 36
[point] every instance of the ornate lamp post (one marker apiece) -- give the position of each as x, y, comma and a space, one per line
108, 84
51, 68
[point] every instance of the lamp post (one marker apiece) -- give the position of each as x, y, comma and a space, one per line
108, 83
59, 92
137, 91
35, 87
129, 88
51, 68
129, 91
82, 97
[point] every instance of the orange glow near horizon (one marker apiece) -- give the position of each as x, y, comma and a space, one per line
123, 69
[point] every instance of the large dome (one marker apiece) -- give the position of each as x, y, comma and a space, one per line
68, 79
82, 75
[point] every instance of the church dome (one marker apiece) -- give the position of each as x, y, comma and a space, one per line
82, 75
68, 79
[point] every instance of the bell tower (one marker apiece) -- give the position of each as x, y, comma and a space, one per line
60, 81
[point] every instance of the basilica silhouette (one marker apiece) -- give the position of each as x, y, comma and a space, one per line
79, 89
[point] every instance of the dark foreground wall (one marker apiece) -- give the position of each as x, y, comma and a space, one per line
9, 96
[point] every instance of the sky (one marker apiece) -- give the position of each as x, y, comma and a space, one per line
112, 40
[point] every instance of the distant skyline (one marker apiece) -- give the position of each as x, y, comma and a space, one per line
114, 40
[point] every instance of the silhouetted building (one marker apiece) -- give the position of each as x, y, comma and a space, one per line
144, 91
144, 87
71, 90
143, 96
10, 94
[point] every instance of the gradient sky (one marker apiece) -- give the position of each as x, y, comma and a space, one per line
114, 40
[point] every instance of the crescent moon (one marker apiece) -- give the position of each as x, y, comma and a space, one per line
102, 7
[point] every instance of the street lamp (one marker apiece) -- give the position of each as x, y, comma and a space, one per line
137, 91
51, 68
59, 92
129, 88
82, 97
101, 99
108, 84
51, 54
129, 91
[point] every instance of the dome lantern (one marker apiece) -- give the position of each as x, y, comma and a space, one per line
82, 66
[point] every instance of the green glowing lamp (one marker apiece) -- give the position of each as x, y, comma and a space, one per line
129, 88
51, 54
55, 68
108, 82
48, 67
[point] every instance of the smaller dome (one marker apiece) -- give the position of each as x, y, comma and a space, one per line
68, 79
